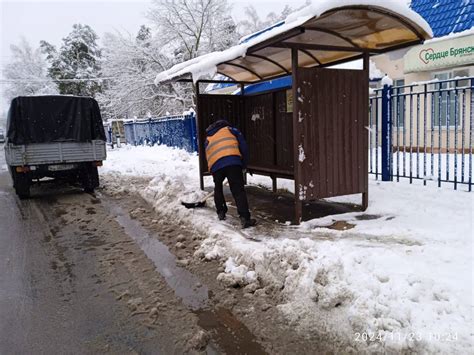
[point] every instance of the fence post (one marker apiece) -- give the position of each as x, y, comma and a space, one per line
135, 139
471, 114
194, 146
150, 141
386, 133
195, 133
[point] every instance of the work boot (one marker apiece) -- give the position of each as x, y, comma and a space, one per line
247, 222
221, 216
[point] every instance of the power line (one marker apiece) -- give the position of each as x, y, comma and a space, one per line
5, 81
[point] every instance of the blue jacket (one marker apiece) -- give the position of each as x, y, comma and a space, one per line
231, 159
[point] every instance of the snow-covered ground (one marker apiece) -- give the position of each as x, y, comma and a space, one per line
444, 165
400, 282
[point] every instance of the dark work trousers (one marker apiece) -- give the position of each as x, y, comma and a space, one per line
236, 182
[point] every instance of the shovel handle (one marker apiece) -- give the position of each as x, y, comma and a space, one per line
210, 194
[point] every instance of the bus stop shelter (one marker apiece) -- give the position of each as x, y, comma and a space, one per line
316, 132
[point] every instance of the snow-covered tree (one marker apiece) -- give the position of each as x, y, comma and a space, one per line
76, 64
194, 27
27, 72
253, 23
144, 35
182, 29
191, 28
131, 64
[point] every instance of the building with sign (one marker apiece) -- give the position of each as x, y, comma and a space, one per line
447, 63
450, 54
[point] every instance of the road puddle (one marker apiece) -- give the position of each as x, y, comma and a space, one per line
185, 285
231, 335
367, 217
341, 226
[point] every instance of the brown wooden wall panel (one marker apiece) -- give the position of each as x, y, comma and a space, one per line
263, 120
216, 107
284, 132
260, 130
333, 114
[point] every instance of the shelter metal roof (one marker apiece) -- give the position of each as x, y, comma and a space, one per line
327, 34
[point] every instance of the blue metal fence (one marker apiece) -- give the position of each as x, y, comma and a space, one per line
423, 131
173, 131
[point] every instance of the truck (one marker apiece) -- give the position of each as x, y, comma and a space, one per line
56, 136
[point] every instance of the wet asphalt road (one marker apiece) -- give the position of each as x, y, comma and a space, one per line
49, 304
103, 273
32, 315
80, 274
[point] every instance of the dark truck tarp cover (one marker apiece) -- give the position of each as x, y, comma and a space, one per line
44, 119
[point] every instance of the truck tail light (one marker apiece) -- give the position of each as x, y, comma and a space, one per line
97, 163
22, 169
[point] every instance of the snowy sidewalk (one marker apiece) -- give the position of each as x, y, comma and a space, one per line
399, 282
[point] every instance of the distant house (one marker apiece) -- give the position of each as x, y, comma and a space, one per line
450, 54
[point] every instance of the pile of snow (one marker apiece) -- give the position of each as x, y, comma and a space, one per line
399, 282
151, 161
237, 275
386, 80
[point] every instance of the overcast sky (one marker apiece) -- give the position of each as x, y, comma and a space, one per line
52, 20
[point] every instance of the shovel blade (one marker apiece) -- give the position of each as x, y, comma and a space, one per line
194, 204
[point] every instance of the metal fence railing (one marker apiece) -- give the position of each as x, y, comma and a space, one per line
423, 131
174, 131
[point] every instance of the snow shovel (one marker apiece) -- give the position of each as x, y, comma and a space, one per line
200, 203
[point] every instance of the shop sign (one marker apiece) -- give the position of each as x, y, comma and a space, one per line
449, 53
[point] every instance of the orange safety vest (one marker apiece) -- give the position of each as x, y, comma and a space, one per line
222, 144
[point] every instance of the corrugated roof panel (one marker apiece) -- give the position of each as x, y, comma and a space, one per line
446, 16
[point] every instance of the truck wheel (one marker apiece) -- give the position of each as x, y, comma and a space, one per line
90, 178
21, 183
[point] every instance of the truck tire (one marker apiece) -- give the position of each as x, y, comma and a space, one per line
90, 178
21, 183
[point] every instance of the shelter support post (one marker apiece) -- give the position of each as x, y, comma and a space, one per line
365, 200
242, 92
386, 134
274, 184
365, 193
199, 139
296, 137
